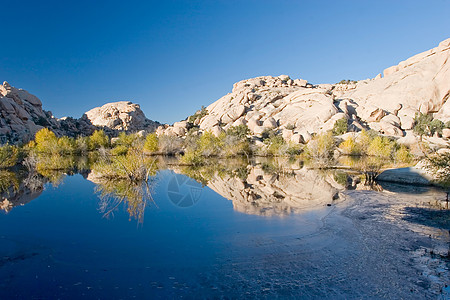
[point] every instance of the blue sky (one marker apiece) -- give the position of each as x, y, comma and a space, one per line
172, 57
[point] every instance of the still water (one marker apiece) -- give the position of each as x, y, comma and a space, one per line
261, 235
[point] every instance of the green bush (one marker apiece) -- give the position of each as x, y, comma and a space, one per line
192, 158
98, 139
267, 134
436, 126
240, 131
209, 145
198, 115
236, 141
381, 147
276, 145
46, 141
424, 124
321, 147
403, 155
151, 143
439, 165
119, 150
125, 140
67, 145
340, 127
350, 147
9, 156
347, 81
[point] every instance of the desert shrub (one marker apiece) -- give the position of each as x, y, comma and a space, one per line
240, 131
350, 147
126, 140
321, 147
133, 166
192, 158
340, 127
151, 143
119, 150
209, 145
340, 177
8, 182
170, 144
198, 115
436, 126
67, 145
347, 81
364, 140
267, 134
403, 155
46, 141
9, 156
277, 146
424, 124
290, 127
439, 165
236, 142
382, 147
233, 146
98, 139
82, 144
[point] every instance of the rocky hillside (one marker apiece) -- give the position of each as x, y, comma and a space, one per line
122, 115
297, 109
21, 116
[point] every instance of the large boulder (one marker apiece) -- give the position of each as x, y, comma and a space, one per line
21, 115
122, 115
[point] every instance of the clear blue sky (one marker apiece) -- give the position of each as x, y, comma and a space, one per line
171, 57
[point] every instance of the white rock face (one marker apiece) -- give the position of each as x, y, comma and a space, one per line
386, 104
21, 115
420, 83
122, 115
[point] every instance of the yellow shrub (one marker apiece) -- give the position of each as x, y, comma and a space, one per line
381, 147
350, 147
98, 139
403, 155
46, 141
151, 143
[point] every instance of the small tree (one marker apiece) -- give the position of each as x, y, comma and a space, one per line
151, 143
340, 127
46, 141
98, 139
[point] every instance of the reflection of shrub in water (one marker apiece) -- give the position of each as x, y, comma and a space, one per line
9, 156
134, 194
55, 166
8, 182
125, 179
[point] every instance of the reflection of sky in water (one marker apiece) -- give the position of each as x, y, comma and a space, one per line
63, 246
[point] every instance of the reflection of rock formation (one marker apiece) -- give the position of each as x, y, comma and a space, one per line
17, 194
270, 194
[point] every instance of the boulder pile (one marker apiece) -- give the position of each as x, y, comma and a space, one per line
297, 109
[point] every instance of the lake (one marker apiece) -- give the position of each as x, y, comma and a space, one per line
254, 231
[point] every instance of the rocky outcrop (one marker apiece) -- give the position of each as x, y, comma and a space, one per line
122, 115
297, 109
21, 116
